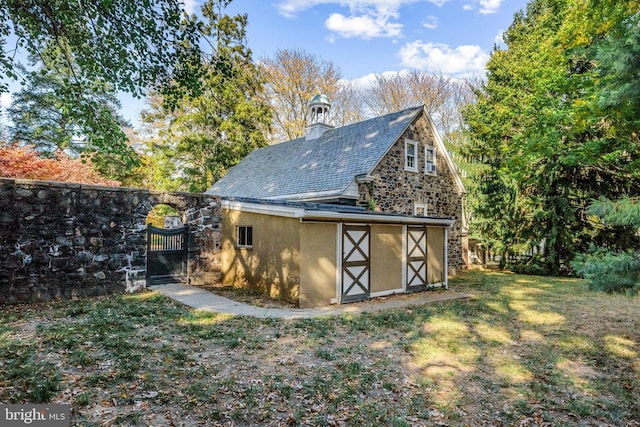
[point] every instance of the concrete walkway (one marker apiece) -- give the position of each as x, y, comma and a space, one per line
201, 299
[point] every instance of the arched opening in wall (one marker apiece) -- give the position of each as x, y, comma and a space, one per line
167, 246
165, 216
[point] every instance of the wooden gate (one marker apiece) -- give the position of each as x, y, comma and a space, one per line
167, 253
416, 259
355, 263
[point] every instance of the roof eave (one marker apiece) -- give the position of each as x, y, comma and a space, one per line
447, 157
319, 215
409, 123
375, 218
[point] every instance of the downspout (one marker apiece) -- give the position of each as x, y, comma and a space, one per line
446, 257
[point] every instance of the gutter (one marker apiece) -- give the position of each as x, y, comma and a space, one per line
309, 215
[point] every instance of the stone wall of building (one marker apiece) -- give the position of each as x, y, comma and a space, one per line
393, 189
62, 240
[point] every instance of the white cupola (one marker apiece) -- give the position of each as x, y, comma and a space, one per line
319, 117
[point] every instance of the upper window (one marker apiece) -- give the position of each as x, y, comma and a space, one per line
245, 236
410, 155
430, 160
420, 209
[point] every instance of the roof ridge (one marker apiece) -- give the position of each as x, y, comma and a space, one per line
329, 131
376, 118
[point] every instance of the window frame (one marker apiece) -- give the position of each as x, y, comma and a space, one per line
407, 143
244, 240
423, 206
430, 170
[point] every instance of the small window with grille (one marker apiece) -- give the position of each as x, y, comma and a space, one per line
245, 236
420, 209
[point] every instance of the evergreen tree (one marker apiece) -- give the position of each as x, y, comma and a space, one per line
544, 131
46, 115
52, 114
614, 267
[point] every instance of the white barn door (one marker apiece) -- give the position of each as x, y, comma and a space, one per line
355, 263
416, 259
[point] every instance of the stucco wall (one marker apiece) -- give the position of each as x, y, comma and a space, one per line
435, 255
317, 263
396, 190
297, 261
386, 258
63, 240
272, 266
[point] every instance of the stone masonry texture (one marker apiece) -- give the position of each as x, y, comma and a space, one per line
63, 240
396, 190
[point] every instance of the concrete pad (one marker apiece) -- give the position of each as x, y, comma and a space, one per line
201, 299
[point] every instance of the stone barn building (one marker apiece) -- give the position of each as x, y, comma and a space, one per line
394, 166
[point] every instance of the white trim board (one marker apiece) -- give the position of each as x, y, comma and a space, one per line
320, 215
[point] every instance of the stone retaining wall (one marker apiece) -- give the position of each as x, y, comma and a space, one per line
62, 240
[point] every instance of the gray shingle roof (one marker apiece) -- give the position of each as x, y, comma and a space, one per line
326, 165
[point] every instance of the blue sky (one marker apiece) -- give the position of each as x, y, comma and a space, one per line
374, 36
366, 37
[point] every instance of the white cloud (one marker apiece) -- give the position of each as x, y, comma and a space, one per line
499, 38
489, 6
438, 3
365, 26
463, 60
366, 80
431, 22
366, 19
5, 100
190, 6
290, 8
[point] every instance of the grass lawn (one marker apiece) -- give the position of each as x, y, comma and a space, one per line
524, 351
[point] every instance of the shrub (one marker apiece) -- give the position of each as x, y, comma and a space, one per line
610, 272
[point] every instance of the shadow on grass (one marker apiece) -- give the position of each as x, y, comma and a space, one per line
532, 349
524, 350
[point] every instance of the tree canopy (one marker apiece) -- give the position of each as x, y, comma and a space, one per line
211, 130
554, 126
52, 117
72, 58
25, 162
292, 77
130, 44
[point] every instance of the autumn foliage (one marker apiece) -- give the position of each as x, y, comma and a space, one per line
24, 162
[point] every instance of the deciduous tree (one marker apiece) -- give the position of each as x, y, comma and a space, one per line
543, 128
442, 95
211, 131
25, 162
294, 76
130, 44
50, 114
161, 165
